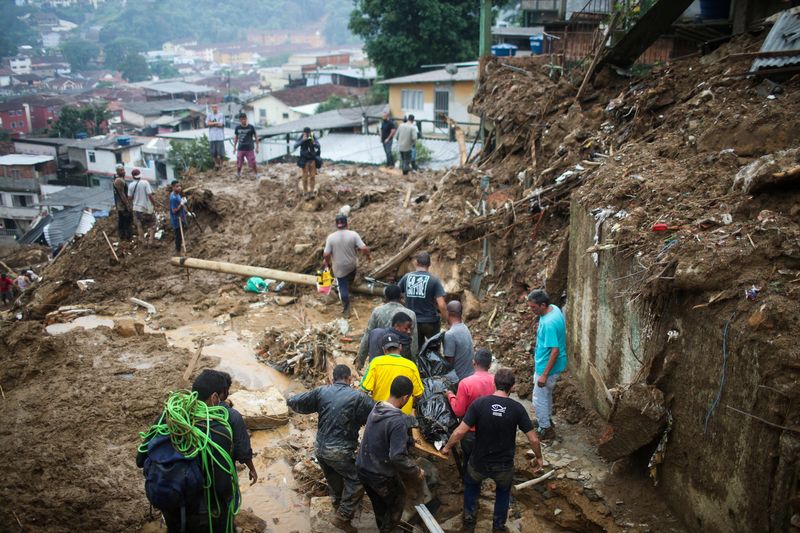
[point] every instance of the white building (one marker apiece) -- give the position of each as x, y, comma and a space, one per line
20, 179
100, 157
20, 65
279, 107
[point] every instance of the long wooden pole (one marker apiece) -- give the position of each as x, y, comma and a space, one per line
261, 272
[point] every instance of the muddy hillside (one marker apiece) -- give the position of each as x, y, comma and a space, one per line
661, 211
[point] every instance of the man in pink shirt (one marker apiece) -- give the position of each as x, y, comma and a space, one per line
481, 383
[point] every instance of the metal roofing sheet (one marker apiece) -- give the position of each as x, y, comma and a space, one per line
463, 74
784, 35
23, 159
338, 118
71, 196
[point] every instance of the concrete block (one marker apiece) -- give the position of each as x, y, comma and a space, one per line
263, 409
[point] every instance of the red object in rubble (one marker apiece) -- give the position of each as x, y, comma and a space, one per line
660, 227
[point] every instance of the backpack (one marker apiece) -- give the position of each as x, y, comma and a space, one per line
172, 482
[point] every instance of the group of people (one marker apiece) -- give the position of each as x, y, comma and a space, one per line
20, 283
407, 135
136, 203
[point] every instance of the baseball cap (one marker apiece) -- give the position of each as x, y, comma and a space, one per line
135, 172
341, 221
390, 340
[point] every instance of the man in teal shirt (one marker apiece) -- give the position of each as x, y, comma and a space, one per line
550, 357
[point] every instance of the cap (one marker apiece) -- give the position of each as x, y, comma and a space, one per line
390, 340
135, 172
341, 221
119, 166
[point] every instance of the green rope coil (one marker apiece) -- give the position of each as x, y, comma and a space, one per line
187, 421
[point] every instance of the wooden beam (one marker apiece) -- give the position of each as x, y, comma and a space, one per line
760, 55
392, 264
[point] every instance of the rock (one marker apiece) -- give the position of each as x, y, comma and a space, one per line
778, 170
285, 300
300, 248
557, 511
263, 409
637, 419
472, 306
573, 476
128, 327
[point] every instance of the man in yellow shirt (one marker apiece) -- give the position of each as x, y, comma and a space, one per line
382, 370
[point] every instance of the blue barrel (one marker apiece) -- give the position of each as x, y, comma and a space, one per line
81, 135
715, 9
537, 44
504, 50
124, 141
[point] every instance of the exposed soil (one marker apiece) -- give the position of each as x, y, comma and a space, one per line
664, 148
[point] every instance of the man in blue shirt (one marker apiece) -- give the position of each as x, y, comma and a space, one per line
177, 214
550, 357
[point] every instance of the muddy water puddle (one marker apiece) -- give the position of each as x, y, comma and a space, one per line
84, 322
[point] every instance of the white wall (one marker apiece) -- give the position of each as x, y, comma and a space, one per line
274, 111
22, 147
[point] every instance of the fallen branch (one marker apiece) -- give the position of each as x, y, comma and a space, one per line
396, 260
192, 364
767, 422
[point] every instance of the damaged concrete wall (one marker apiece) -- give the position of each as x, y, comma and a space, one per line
736, 474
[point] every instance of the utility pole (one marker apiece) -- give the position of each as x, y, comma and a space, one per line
485, 44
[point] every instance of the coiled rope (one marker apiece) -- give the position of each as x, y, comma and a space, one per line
187, 422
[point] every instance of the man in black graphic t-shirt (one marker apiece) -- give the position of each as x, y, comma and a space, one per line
496, 419
424, 295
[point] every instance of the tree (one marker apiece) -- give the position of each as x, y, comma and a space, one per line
336, 102
116, 50
163, 69
15, 32
80, 53
402, 35
195, 154
69, 123
134, 68
95, 118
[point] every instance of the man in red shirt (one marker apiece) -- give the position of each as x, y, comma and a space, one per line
6, 289
481, 383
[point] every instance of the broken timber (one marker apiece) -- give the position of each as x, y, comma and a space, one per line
392, 264
266, 273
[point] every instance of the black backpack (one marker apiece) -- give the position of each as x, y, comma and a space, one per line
172, 482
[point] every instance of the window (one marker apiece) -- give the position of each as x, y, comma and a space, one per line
13, 173
412, 100
92, 158
262, 113
286, 115
21, 200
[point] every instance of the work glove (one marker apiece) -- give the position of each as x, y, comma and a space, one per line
184, 201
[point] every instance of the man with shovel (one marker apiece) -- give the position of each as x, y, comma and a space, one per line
177, 214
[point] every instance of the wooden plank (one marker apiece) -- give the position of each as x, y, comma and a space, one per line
392, 264
187, 374
111, 247
421, 445
761, 55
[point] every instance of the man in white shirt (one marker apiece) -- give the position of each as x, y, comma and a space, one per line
216, 135
140, 195
341, 255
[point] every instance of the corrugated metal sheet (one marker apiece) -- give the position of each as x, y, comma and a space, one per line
64, 225
784, 35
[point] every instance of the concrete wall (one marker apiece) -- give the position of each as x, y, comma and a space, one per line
461, 94
740, 474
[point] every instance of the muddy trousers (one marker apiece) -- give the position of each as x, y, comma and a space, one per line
197, 523
178, 239
387, 149
503, 478
343, 484
125, 225
388, 497
405, 159
543, 399
309, 176
344, 289
467, 446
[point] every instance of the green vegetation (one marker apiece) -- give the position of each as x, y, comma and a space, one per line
72, 120
163, 69
116, 51
80, 53
213, 21
336, 102
195, 154
134, 68
15, 33
401, 35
